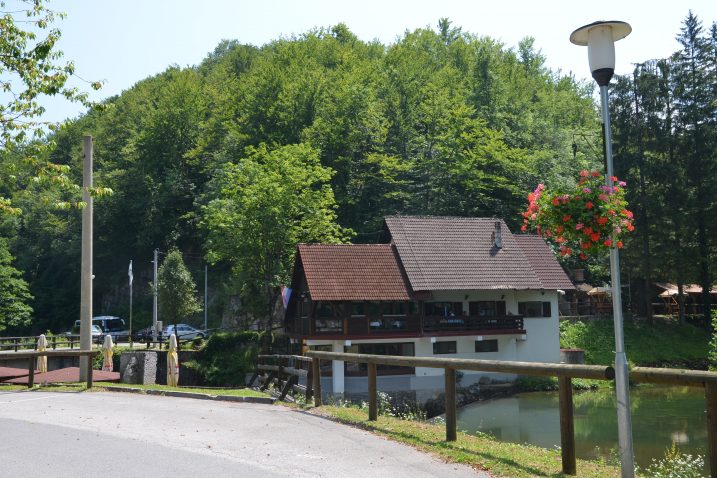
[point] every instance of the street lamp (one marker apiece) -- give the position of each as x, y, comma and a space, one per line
600, 38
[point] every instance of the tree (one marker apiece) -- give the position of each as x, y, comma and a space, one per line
30, 67
177, 292
265, 205
14, 295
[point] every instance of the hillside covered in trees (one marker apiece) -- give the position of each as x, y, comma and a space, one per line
317, 137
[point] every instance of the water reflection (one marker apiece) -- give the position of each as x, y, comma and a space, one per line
661, 415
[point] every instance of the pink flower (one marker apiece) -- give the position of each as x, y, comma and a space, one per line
622, 184
603, 197
587, 190
579, 226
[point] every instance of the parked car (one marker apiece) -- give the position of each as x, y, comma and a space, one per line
143, 335
97, 335
113, 326
183, 332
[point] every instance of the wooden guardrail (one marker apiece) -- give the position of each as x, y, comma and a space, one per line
30, 342
284, 371
564, 372
31, 357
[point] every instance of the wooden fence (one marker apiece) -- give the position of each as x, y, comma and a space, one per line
564, 373
31, 357
284, 371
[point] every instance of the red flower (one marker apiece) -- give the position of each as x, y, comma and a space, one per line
588, 205
630, 227
524, 228
531, 197
614, 178
583, 256
559, 229
595, 174
567, 217
602, 220
608, 242
584, 173
595, 236
555, 201
619, 244
627, 213
585, 245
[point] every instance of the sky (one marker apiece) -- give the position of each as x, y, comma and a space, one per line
124, 41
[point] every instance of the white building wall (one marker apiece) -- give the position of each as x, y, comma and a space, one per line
541, 343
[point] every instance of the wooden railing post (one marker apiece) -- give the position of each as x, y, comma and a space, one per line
316, 369
450, 404
567, 429
31, 374
372, 399
711, 396
309, 382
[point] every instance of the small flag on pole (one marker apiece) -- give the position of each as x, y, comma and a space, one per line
285, 295
129, 273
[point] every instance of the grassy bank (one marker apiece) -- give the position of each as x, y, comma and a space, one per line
665, 342
480, 451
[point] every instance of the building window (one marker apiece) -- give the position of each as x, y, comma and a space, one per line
486, 345
444, 347
443, 309
534, 309
487, 308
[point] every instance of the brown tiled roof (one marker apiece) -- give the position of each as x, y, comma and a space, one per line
458, 253
353, 272
543, 262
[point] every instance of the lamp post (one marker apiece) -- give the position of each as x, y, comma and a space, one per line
600, 38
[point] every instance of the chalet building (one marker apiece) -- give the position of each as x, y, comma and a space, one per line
436, 286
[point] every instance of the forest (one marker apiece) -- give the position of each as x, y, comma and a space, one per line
317, 137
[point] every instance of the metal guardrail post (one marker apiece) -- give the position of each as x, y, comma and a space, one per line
316, 367
372, 399
567, 428
450, 396
89, 372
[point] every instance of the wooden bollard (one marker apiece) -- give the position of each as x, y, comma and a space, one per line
316, 367
567, 428
711, 397
31, 370
89, 371
450, 404
372, 401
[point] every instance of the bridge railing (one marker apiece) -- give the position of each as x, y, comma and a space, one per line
564, 373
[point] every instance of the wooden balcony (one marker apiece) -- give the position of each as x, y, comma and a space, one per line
402, 326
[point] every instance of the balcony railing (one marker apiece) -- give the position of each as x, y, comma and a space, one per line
388, 325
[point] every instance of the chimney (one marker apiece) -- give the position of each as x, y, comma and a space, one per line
497, 238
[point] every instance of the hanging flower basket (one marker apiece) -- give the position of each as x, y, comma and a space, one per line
587, 220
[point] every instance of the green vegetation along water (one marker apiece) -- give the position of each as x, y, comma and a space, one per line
661, 415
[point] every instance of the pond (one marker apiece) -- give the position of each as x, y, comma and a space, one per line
660, 416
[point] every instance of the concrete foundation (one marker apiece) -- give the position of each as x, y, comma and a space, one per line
138, 367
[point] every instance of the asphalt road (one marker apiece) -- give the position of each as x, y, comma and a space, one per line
120, 434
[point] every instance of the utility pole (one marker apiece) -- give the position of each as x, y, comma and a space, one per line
86, 265
154, 300
205, 297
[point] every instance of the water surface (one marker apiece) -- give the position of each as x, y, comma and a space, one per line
660, 416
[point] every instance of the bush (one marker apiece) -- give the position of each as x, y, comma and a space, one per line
227, 357
675, 464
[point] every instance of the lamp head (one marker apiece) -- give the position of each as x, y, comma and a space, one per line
600, 38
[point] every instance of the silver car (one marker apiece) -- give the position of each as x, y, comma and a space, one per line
183, 332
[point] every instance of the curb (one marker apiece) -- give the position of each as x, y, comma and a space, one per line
195, 395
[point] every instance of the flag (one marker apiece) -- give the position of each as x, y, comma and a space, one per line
129, 273
285, 295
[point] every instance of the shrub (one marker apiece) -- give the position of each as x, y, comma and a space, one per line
676, 464
713, 344
227, 357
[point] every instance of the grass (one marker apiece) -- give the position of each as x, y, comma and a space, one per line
232, 392
479, 451
665, 342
